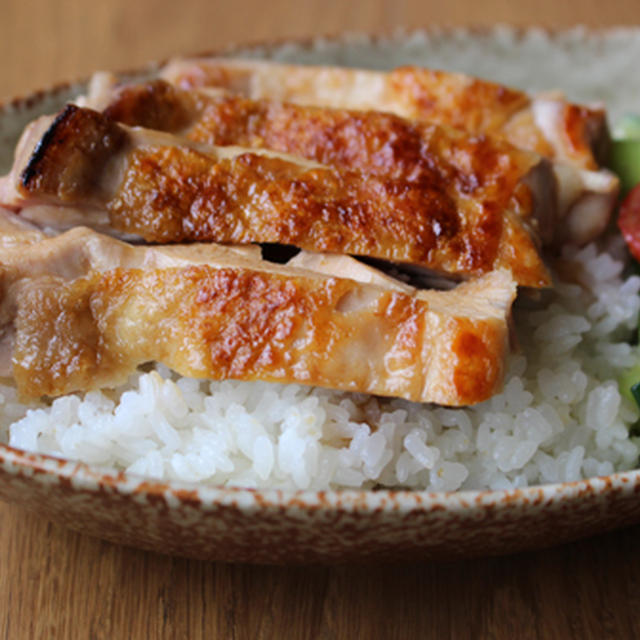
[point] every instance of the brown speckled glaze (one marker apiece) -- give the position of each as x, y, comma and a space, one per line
240, 525
270, 526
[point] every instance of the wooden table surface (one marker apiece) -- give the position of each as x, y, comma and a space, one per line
58, 584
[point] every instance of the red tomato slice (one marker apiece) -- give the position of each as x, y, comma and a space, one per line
629, 221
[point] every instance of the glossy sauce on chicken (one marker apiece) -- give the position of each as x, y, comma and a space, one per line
167, 190
560, 200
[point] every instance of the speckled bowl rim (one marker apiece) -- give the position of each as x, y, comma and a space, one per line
83, 476
50, 469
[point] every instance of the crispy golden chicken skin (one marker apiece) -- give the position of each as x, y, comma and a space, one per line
77, 310
373, 141
548, 124
167, 189
568, 203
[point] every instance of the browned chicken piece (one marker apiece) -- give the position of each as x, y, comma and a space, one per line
547, 124
570, 204
166, 189
217, 313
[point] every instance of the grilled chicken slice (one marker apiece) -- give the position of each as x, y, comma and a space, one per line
82, 311
166, 189
570, 204
547, 124
17, 232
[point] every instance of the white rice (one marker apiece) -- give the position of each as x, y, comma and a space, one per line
560, 417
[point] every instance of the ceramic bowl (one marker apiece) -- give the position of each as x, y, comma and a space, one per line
278, 526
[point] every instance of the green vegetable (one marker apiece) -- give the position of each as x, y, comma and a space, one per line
629, 383
635, 392
624, 161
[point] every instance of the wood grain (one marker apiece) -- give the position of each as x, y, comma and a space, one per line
58, 584
46, 42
